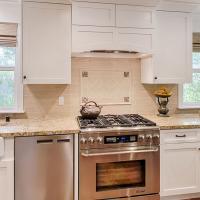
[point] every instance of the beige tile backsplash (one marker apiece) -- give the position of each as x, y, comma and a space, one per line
41, 101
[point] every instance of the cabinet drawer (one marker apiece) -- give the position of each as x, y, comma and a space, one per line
93, 14
174, 137
139, 40
134, 16
86, 38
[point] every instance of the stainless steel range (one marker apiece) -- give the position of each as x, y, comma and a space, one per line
119, 158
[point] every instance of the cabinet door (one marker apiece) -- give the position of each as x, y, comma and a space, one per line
93, 14
139, 40
179, 169
46, 43
134, 16
87, 38
172, 60
7, 180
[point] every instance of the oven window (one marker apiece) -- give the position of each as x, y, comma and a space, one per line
117, 175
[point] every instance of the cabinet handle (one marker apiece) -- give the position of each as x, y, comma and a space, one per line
181, 136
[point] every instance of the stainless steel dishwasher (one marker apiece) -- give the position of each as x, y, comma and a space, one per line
44, 168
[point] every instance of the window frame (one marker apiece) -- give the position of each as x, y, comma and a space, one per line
183, 105
18, 83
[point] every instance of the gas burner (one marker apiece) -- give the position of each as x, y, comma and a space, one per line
138, 120
111, 121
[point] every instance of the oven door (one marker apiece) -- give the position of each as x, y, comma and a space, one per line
117, 173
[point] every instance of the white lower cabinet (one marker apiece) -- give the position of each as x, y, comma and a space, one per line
180, 163
7, 171
7, 180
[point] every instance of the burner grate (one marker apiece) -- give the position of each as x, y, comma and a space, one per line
110, 121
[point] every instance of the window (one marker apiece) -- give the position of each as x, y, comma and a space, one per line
190, 93
10, 84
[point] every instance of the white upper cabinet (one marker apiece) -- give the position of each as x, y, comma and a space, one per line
134, 16
132, 39
93, 14
50, 1
172, 58
46, 43
127, 2
87, 38
98, 26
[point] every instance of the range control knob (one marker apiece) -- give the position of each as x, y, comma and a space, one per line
156, 139
83, 140
99, 140
141, 138
149, 138
91, 140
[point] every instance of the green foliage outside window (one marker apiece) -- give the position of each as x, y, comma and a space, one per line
7, 87
191, 92
7, 56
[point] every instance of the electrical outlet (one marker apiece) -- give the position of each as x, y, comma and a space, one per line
61, 101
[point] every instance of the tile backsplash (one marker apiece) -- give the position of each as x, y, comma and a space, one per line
41, 101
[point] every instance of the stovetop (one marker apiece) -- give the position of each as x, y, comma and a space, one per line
112, 121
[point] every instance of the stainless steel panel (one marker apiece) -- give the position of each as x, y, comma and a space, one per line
87, 169
146, 197
44, 168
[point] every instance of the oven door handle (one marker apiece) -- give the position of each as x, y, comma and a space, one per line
119, 152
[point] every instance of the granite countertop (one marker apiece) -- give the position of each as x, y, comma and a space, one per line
177, 121
63, 126
25, 127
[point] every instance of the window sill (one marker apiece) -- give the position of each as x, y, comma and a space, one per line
12, 111
189, 107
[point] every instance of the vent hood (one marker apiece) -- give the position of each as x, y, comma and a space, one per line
111, 54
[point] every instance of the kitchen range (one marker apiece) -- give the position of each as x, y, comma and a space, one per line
119, 157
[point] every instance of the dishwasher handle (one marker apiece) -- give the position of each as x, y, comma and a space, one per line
45, 141
53, 140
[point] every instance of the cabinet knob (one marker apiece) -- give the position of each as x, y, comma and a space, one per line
24, 77
155, 77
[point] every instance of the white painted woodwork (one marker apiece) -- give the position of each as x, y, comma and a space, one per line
2, 147
93, 14
196, 22
76, 167
50, 1
7, 171
180, 162
139, 40
185, 1
46, 43
10, 12
126, 2
134, 16
172, 59
177, 137
87, 38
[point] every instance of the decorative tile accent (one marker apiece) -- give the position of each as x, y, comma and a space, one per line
126, 74
106, 87
84, 74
